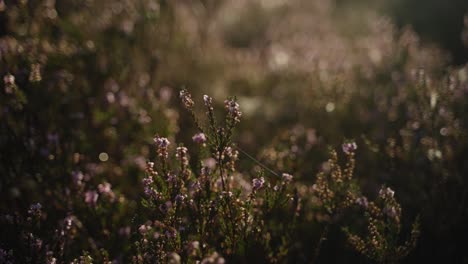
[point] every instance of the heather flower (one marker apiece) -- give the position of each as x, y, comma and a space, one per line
174, 258
209, 163
179, 198
172, 178
9, 79
161, 142
148, 188
162, 145
362, 201
287, 177
35, 209
192, 248
233, 110
231, 154
349, 147
143, 229
258, 183
105, 188
171, 233
214, 258
125, 231
150, 169
391, 212
386, 192
181, 154
165, 207
208, 101
91, 197
186, 99
199, 138
68, 222
148, 181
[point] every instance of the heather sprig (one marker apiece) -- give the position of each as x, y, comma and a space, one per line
199, 214
382, 242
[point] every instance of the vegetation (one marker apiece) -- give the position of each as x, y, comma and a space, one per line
154, 131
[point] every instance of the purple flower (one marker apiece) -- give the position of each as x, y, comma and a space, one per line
349, 147
165, 207
193, 247
35, 209
143, 229
362, 201
390, 212
91, 198
161, 142
258, 183
179, 198
199, 138
233, 109
386, 193
105, 188
208, 101
9, 79
172, 233
287, 177
77, 177
147, 181
125, 231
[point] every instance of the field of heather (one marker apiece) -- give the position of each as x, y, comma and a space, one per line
233, 131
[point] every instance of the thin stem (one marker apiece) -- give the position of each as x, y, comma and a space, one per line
258, 162
323, 237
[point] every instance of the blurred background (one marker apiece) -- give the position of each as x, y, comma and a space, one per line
95, 80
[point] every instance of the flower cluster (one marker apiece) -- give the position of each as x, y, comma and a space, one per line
193, 209
73, 181
199, 138
162, 145
233, 109
384, 225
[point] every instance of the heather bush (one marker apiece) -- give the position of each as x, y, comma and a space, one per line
344, 139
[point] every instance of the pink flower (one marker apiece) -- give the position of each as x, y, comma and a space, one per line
199, 138
349, 147
91, 198
386, 193
9, 79
208, 101
287, 177
362, 201
143, 229
105, 188
233, 109
258, 183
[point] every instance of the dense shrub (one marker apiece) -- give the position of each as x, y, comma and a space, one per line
345, 141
